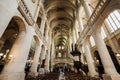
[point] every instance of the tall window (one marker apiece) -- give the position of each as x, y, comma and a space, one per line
113, 20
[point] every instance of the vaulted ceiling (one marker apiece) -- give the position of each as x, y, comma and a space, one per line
61, 15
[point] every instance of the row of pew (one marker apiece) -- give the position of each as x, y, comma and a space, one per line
68, 76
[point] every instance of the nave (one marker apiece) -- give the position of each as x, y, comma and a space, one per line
59, 39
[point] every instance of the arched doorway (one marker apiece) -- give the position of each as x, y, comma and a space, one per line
15, 27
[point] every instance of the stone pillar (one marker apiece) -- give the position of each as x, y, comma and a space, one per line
52, 53
36, 14
74, 36
86, 8
43, 24
7, 11
42, 54
82, 58
50, 46
73, 39
70, 40
80, 25
70, 44
79, 19
14, 69
76, 29
104, 54
46, 32
47, 63
89, 59
70, 47
35, 60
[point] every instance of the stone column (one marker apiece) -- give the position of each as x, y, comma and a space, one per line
43, 24
70, 47
52, 53
70, 43
104, 54
80, 25
14, 69
73, 39
7, 11
76, 29
47, 63
46, 32
79, 19
42, 54
36, 60
89, 59
36, 14
74, 36
70, 40
86, 8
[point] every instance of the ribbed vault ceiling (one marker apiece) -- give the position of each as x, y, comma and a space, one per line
60, 15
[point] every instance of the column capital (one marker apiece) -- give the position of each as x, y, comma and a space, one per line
83, 1
44, 16
86, 8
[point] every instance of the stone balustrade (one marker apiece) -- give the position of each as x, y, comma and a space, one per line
28, 17
37, 30
25, 12
92, 20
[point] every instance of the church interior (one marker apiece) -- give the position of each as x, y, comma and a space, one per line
59, 39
